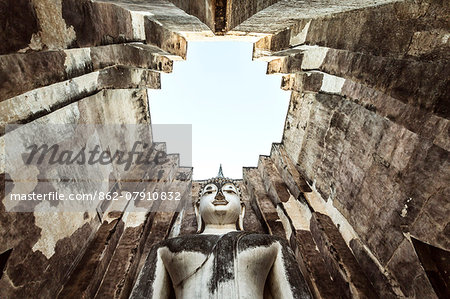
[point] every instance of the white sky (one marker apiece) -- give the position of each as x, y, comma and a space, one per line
235, 109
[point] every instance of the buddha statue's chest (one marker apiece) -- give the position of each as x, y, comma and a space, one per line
219, 264
185, 263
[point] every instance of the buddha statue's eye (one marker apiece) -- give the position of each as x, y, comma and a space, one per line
230, 191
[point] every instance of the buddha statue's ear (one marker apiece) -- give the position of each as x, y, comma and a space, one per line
198, 217
241, 217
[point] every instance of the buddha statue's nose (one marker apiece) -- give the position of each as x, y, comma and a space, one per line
219, 195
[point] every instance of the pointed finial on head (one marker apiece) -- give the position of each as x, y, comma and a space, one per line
220, 173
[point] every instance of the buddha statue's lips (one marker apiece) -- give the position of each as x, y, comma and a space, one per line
220, 202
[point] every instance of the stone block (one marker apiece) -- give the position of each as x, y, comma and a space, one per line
286, 168
88, 274
340, 261
97, 23
260, 202
322, 284
376, 276
19, 22
274, 185
406, 268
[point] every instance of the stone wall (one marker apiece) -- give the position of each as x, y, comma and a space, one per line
84, 62
367, 128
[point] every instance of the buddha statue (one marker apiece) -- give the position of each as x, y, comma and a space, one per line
221, 260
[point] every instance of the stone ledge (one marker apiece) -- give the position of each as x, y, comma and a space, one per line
416, 83
413, 118
37, 69
41, 101
341, 263
261, 202
404, 28
274, 185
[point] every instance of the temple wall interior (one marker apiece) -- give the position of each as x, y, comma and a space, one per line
359, 184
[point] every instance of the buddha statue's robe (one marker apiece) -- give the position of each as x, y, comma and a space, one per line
234, 265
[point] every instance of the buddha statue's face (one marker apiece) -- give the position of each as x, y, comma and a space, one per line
220, 204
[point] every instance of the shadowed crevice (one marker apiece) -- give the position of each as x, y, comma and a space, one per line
4, 260
220, 18
436, 263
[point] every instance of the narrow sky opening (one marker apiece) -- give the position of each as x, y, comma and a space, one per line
235, 109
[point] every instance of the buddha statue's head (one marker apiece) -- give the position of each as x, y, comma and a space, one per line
219, 203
